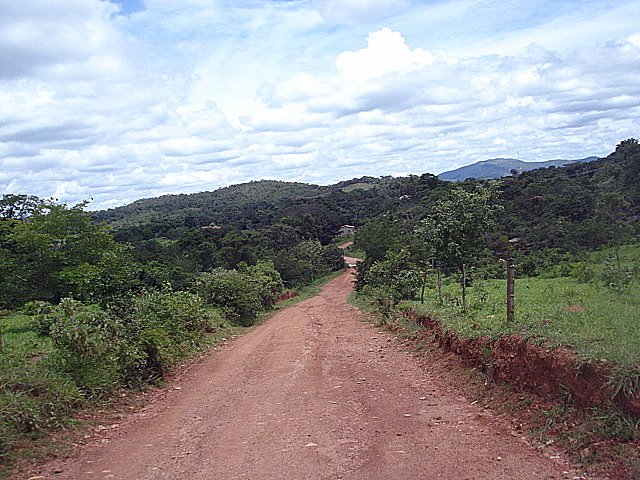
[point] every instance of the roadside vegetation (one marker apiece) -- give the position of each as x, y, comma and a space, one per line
572, 234
584, 305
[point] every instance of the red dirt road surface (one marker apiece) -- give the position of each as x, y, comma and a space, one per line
312, 393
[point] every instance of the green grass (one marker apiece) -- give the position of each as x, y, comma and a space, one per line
598, 322
629, 255
342, 239
20, 339
34, 398
362, 302
353, 251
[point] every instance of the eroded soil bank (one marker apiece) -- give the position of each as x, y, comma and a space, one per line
544, 371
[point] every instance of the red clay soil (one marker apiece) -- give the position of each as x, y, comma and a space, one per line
312, 393
544, 371
289, 294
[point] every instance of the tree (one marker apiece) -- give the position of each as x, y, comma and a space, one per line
394, 278
232, 291
376, 238
58, 251
307, 261
20, 207
268, 280
611, 221
456, 228
628, 152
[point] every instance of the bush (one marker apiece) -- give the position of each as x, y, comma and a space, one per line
39, 311
395, 275
616, 278
88, 345
236, 293
163, 327
89, 353
332, 258
267, 279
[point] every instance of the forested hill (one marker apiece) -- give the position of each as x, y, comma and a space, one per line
256, 205
551, 207
245, 203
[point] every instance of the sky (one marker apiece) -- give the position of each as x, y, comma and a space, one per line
112, 101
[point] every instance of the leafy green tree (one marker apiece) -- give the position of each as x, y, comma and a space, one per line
611, 221
376, 238
379, 236
268, 280
280, 236
58, 251
20, 207
456, 228
238, 246
628, 151
110, 276
332, 258
395, 277
307, 261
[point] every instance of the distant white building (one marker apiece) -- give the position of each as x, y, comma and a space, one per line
211, 227
346, 230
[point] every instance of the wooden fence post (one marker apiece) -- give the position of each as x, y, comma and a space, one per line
464, 287
436, 267
511, 289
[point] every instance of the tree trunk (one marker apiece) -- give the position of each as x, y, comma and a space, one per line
616, 250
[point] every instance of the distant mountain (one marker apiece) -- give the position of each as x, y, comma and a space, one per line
501, 167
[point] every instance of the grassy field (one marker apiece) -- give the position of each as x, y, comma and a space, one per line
599, 322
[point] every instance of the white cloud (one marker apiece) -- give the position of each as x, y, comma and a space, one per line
386, 52
188, 96
360, 11
51, 37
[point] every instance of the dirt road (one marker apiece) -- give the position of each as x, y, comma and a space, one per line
312, 393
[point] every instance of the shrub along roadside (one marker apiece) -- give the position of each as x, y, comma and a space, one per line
582, 305
240, 295
86, 354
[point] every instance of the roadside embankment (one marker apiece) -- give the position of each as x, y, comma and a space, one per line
536, 368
